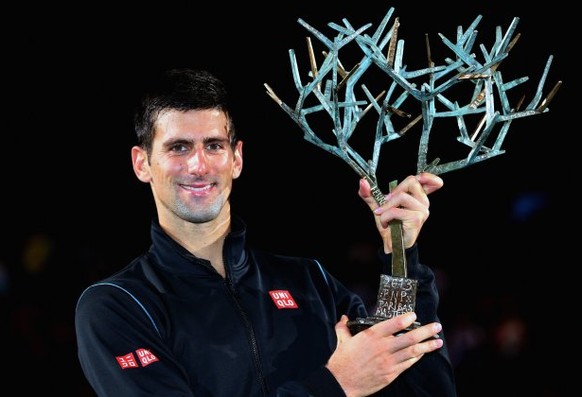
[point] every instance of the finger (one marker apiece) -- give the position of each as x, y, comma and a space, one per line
341, 329
417, 201
420, 340
393, 325
416, 190
415, 350
411, 219
411, 185
365, 193
430, 182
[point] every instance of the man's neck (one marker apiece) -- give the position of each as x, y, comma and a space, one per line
204, 240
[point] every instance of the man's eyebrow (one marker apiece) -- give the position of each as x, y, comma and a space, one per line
186, 141
215, 139
178, 141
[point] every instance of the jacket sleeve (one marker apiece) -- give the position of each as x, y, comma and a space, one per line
433, 374
115, 339
116, 336
321, 383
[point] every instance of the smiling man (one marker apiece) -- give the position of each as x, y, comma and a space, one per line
203, 313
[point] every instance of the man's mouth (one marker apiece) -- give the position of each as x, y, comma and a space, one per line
198, 188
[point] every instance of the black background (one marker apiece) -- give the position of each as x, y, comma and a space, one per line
73, 210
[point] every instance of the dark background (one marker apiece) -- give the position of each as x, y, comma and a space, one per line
73, 210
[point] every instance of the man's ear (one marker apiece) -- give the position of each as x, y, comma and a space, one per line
238, 160
141, 166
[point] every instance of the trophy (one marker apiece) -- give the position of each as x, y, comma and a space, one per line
481, 112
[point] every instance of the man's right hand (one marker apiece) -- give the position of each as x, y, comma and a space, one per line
373, 358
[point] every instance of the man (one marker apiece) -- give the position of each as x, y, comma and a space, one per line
204, 314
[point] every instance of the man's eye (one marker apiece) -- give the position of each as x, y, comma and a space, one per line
178, 148
214, 146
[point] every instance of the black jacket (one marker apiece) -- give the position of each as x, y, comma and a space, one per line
169, 325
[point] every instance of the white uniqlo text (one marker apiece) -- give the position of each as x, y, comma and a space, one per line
283, 299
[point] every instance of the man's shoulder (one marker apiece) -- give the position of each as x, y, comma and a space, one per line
129, 294
126, 281
134, 271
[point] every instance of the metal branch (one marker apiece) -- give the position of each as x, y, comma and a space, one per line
383, 51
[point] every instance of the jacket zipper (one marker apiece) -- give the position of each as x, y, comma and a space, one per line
250, 333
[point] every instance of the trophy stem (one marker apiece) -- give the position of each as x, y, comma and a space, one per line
398, 255
396, 293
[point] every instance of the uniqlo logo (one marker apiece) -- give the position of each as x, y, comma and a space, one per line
283, 299
127, 361
145, 357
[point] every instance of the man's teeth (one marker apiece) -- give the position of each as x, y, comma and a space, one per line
197, 189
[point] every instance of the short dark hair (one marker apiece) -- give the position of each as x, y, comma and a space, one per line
179, 89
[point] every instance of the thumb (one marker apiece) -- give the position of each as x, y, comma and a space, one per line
341, 330
365, 193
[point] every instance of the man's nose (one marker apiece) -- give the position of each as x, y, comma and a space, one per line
197, 163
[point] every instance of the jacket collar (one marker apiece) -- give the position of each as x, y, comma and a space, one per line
174, 258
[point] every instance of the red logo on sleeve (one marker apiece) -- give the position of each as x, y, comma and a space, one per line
283, 299
127, 361
144, 356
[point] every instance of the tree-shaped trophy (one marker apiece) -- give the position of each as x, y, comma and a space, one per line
340, 94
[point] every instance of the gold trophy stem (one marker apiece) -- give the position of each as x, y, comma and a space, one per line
398, 257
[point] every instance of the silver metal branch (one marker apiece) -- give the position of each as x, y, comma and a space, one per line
335, 91
346, 106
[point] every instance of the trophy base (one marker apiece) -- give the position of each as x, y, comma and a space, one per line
360, 324
396, 295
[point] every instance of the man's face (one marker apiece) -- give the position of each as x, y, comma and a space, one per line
191, 166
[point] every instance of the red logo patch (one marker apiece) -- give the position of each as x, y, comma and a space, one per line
128, 361
283, 299
145, 357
